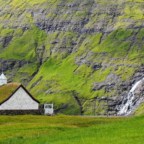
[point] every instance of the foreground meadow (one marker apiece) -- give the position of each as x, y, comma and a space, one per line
71, 130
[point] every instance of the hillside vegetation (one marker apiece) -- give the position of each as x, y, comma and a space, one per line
76, 54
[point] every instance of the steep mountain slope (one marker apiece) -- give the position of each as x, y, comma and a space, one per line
82, 55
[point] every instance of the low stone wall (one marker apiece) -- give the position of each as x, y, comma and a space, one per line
20, 112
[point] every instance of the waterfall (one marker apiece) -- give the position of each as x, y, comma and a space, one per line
128, 103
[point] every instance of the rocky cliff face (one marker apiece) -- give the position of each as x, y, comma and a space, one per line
83, 56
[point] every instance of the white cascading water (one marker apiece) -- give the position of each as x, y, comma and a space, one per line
128, 103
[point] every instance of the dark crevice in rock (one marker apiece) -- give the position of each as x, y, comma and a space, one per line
133, 40
36, 83
6, 41
76, 97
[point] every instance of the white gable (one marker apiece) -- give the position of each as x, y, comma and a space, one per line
20, 100
3, 79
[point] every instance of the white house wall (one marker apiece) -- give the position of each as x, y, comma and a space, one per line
20, 101
3, 81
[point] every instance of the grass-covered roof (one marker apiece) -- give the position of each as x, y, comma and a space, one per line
7, 90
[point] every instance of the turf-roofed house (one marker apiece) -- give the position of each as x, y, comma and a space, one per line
15, 99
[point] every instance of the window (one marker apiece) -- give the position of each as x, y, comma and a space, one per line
48, 106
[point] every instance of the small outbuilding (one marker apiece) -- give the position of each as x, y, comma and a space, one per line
48, 109
15, 99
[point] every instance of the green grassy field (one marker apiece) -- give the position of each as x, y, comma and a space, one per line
71, 130
72, 47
